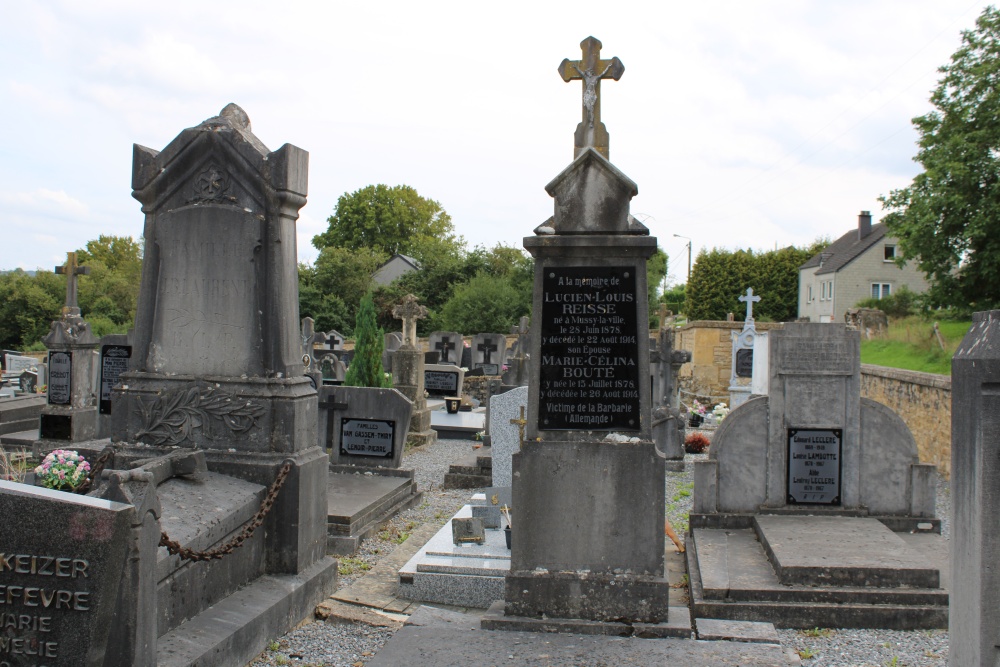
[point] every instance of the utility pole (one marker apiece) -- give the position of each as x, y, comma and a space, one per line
689, 254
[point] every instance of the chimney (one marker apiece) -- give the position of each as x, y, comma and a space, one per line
864, 224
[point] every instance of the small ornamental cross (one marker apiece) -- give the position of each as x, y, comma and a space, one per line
444, 346
749, 299
590, 69
520, 426
71, 269
409, 311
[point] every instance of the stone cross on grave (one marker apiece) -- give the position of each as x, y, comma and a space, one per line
749, 299
409, 311
487, 349
71, 269
591, 133
444, 345
331, 407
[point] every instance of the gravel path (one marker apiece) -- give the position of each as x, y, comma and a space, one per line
334, 644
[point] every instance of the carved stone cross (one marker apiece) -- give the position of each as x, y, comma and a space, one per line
749, 299
409, 311
591, 69
71, 269
444, 345
487, 349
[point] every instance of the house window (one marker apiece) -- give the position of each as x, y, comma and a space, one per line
890, 252
822, 291
829, 291
881, 290
810, 292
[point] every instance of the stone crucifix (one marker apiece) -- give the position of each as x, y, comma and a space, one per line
487, 348
71, 269
409, 311
591, 133
749, 298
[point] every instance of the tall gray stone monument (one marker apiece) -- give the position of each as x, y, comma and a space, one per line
974, 622
217, 363
588, 538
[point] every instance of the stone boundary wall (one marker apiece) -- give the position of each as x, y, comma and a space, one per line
923, 400
711, 347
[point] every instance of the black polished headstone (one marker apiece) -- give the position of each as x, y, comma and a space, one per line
744, 363
114, 362
60, 378
814, 466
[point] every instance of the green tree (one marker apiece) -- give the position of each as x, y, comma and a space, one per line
656, 268
366, 367
28, 305
390, 220
111, 289
948, 218
674, 298
485, 304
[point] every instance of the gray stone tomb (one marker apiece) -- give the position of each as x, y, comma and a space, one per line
813, 447
443, 379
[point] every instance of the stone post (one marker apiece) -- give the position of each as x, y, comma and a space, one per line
974, 616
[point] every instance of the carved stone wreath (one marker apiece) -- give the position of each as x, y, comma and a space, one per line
172, 418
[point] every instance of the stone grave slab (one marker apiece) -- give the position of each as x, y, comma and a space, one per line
841, 551
448, 343
465, 575
359, 502
459, 426
714, 629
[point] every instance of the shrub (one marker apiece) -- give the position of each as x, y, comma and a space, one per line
696, 443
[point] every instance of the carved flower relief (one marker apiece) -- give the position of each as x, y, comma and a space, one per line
172, 418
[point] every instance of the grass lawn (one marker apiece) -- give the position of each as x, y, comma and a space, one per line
912, 345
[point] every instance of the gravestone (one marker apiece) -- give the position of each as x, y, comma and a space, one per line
813, 446
668, 426
741, 366
974, 622
62, 582
331, 369
71, 413
116, 351
217, 372
16, 364
761, 367
587, 536
489, 352
333, 341
517, 373
364, 427
505, 410
443, 379
448, 343
392, 341
408, 371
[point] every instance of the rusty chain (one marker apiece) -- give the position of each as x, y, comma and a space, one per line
245, 533
95, 470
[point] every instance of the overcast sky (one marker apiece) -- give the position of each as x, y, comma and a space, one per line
744, 124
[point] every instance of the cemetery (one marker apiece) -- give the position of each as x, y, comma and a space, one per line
226, 471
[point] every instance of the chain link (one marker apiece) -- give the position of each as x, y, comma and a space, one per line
245, 533
95, 470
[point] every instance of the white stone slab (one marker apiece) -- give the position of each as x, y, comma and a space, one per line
504, 435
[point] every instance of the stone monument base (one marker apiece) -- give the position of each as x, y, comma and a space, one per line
361, 500
60, 427
676, 623
591, 596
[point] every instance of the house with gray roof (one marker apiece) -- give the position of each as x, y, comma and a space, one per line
394, 267
859, 265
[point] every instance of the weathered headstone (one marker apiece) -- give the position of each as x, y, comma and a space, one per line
668, 426
443, 379
517, 373
448, 343
61, 565
217, 369
392, 341
16, 363
116, 351
587, 538
71, 413
408, 371
489, 352
362, 426
974, 621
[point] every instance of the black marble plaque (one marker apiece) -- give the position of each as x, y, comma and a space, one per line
55, 427
60, 378
744, 363
589, 370
114, 362
367, 437
814, 466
